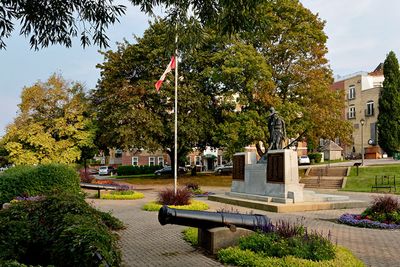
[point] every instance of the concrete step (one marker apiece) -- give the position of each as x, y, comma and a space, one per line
333, 171
326, 183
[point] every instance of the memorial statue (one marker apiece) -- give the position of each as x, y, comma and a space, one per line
277, 130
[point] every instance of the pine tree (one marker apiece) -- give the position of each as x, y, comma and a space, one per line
389, 106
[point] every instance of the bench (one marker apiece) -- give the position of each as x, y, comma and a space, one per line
384, 181
99, 187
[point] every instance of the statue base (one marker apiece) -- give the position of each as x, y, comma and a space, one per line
277, 180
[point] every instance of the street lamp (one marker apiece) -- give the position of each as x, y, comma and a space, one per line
362, 122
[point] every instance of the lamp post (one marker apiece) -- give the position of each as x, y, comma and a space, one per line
362, 122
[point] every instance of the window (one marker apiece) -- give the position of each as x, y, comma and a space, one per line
352, 113
352, 92
198, 160
370, 108
135, 161
152, 161
118, 153
161, 161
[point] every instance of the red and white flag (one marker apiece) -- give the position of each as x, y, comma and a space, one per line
170, 67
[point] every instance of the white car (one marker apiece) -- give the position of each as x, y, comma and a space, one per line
303, 160
106, 170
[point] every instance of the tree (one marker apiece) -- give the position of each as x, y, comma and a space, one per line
132, 115
290, 46
293, 43
52, 124
56, 21
389, 106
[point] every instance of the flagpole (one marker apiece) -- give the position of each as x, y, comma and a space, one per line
176, 111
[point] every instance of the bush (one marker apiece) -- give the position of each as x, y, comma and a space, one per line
315, 156
384, 213
284, 238
60, 230
86, 177
385, 204
37, 180
191, 235
237, 257
168, 196
136, 170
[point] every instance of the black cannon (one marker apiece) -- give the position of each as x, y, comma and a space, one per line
208, 220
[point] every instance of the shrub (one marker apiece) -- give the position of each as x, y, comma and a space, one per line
384, 213
194, 188
190, 235
86, 177
385, 204
315, 156
136, 170
237, 257
168, 196
61, 230
37, 180
286, 239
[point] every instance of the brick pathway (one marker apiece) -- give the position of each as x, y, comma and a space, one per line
146, 243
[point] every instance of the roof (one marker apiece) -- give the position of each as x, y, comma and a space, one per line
332, 146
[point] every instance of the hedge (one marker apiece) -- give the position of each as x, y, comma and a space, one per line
135, 170
316, 157
24, 181
59, 230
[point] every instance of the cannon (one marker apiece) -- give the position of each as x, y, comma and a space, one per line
209, 220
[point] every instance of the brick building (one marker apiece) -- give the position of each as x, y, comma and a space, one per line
362, 90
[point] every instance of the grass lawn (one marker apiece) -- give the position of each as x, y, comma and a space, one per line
366, 177
201, 179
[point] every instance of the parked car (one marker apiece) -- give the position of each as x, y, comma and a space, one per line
168, 170
224, 169
304, 160
107, 170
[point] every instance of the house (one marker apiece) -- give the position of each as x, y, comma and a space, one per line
362, 91
332, 151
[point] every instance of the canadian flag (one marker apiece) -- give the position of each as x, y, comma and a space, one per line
170, 67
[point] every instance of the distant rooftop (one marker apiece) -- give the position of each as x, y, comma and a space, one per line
377, 71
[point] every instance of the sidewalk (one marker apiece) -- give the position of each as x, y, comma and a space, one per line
146, 243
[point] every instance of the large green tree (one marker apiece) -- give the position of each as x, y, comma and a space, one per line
132, 114
290, 48
293, 43
48, 22
52, 125
389, 106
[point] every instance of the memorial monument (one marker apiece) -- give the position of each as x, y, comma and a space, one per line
272, 183
276, 177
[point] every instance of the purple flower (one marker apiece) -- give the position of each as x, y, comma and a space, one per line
352, 219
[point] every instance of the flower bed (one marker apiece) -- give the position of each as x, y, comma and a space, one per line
123, 195
383, 213
358, 220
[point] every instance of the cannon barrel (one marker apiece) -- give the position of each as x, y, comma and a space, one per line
208, 220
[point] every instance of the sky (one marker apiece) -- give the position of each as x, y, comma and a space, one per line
360, 34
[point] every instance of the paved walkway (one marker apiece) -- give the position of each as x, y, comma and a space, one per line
146, 243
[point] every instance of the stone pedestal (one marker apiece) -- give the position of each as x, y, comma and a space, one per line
276, 181
220, 237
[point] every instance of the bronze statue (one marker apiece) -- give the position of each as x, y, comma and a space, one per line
277, 130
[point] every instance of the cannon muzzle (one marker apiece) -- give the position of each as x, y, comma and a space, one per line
208, 220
